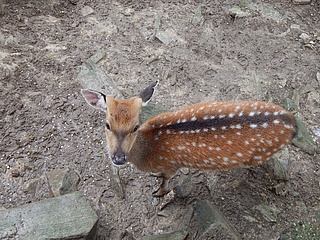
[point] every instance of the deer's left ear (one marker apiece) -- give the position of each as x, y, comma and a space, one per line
147, 93
95, 99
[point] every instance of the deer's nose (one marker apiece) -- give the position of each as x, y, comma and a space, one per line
119, 158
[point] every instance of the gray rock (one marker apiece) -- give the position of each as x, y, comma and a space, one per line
305, 37
64, 217
86, 10
278, 166
177, 235
30, 186
184, 187
303, 139
197, 18
269, 213
62, 181
212, 223
164, 37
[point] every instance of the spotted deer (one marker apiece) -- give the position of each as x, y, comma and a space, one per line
205, 136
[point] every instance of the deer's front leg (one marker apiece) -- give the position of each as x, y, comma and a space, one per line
163, 188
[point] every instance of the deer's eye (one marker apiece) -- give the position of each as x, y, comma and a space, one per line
135, 128
108, 126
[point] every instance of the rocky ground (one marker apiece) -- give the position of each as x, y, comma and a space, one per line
198, 50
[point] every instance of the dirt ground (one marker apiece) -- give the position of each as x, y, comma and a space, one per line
199, 50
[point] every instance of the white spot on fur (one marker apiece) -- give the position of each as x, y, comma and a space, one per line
193, 118
231, 115
253, 125
223, 128
265, 125
229, 142
205, 117
239, 154
276, 121
251, 114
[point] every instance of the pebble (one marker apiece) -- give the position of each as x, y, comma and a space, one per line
305, 37
86, 10
301, 2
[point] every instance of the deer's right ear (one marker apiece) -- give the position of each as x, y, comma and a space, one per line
147, 93
95, 99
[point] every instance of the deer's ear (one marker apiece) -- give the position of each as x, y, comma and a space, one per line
147, 93
95, 99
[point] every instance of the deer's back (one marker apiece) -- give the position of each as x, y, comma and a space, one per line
217, 135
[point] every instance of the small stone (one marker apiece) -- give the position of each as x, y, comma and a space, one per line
177, 235
86, 10
30, 186
164, 37
316, 132
303, 139
269, 213
318, 76
305, 37
15, 172
278, 166
282, 189
301, 2
237, 12
128, 11
295, 26
197, 17
250, 218
167, 199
